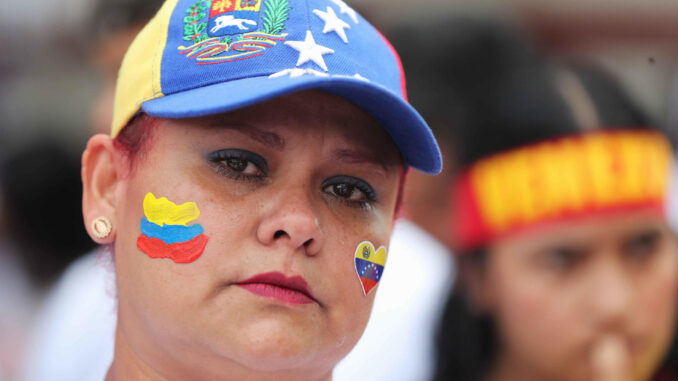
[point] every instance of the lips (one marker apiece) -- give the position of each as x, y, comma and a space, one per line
276, 285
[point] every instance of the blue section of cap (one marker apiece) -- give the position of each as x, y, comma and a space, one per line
170, 233
408, 130
193, 85
364, 54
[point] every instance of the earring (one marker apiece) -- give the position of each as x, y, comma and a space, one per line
101, 227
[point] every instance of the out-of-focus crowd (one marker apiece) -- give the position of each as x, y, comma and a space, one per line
489, 78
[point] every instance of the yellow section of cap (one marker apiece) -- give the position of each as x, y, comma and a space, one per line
139, 76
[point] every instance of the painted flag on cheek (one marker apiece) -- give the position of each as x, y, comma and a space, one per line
165, 232
369, 265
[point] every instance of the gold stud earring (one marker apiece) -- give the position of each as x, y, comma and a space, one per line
101, 227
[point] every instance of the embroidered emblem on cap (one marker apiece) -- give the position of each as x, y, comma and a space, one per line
298, 72
230, 30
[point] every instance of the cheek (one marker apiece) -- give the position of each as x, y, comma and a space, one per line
658, 287
349, 308
537, 321
161, 288
655, 314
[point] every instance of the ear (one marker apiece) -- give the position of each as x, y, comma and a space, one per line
100, 177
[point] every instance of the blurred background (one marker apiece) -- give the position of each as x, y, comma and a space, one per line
58, 61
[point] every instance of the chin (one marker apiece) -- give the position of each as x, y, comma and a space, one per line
273, 346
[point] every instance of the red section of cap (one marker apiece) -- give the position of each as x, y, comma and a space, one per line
219, 7
180, 252
403, 83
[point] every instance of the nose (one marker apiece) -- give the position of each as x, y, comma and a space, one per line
291, 221
612, 294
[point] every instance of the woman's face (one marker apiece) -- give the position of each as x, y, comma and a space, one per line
290, 186
559, 292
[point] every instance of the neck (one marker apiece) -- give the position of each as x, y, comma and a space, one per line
129, 365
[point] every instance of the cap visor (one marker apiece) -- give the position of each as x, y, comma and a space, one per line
407, 128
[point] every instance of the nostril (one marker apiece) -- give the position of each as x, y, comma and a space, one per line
308, 243
279, 234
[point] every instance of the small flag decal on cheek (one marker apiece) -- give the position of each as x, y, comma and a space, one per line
165, 232
369, 265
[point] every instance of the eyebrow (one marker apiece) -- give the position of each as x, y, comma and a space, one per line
267, 138
351, 156
277, 142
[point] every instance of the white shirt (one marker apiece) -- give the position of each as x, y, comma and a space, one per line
74, 335
18, 301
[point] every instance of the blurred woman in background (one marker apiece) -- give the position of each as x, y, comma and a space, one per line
567, 266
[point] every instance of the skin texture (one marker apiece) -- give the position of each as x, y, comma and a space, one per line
189, 321
588, 300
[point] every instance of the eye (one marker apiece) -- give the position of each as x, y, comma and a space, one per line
561, 259
349, 189
243, 166
346, 191
642, 246
238, 164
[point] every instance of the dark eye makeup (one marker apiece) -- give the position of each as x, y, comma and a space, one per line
354, 191
243, 165
238, 164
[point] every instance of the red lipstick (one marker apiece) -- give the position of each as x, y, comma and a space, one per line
277, 286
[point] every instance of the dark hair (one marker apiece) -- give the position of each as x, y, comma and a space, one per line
495, 92
41, 198
110, 16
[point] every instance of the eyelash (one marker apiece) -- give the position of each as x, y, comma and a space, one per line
362, 186
219, 161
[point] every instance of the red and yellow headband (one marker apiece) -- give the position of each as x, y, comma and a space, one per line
562, 179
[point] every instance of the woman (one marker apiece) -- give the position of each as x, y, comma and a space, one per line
249, 187
568, 269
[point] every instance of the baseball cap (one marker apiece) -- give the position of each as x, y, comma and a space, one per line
204, 57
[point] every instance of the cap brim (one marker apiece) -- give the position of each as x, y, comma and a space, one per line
407, 128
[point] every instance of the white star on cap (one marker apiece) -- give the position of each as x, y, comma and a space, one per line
310, 51
343, 8
333, 23
298, 72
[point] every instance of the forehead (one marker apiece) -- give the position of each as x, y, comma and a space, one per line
314, 114
308, 108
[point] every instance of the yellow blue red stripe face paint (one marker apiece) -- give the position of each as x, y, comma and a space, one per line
166, 233
369, 265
